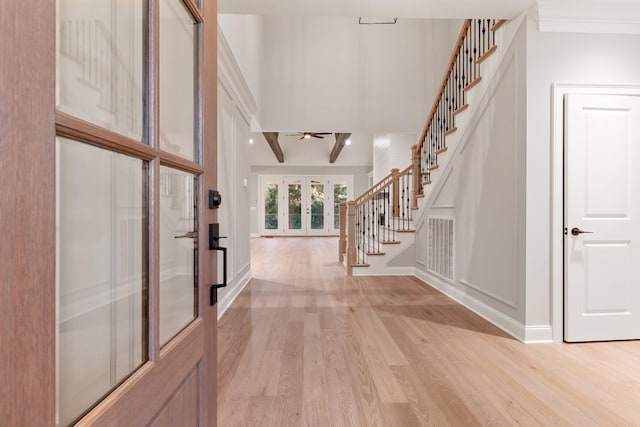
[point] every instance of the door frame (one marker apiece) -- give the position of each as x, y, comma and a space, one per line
281, 179
558, 92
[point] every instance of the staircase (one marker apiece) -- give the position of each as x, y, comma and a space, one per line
378, 226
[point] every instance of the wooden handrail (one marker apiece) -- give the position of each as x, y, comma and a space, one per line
445, 79
383, 182
370, 195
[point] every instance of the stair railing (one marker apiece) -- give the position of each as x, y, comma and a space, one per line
375, 218
475, 43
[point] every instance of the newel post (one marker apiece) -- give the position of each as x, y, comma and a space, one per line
342, 243
351, 236
396, 192
417, 190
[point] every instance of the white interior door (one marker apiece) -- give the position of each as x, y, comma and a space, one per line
602, 196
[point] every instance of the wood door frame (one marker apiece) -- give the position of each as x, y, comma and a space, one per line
28, 122
558, 92
27, 212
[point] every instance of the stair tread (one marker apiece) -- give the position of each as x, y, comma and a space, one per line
376, 253
487, 54
461, 109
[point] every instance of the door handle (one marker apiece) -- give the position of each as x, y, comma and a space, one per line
575, 231
188, 235
213, 289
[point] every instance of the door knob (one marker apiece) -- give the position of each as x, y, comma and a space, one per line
575, 231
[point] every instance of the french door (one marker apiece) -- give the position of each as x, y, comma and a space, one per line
304, 208
115, 162
303, 205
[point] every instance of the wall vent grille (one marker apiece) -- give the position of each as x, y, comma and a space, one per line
440, 251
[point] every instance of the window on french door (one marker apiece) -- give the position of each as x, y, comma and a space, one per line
339, 196
271, 196
126, 190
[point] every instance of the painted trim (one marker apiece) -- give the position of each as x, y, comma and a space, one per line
538, 334
254, 235
509, 303
499, 319
595, 16
238, 283
436, 195
558, 91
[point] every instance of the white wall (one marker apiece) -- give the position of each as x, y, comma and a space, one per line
244, 33
331, 74
233, 172
565, 58
391, 150
482, 187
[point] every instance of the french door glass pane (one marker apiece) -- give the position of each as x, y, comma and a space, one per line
317, 205
177, 79
295, 205
101, 280
177, 251
99, 63
339, 196
271, 205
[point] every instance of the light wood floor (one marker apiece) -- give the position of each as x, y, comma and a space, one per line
305, 346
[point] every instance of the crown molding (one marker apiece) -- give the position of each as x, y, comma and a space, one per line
589, 16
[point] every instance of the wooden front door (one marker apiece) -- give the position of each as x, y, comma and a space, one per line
108, 152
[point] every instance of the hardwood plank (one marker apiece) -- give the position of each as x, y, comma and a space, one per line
325, 349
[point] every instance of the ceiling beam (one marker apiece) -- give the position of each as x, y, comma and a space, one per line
272, 139
341, 139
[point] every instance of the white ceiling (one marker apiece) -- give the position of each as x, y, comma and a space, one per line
426, 9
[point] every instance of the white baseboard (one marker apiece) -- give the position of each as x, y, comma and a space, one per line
507, 324
236, 286
255, 235
537, 334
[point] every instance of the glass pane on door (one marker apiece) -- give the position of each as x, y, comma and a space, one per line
339, 196
294, 189
178, 231
177, 79
271, 205
317, 205
101, 281
99, 63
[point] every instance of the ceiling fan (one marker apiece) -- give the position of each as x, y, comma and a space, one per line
307, 135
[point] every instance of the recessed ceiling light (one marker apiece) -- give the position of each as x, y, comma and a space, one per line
348, 142
250, 141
